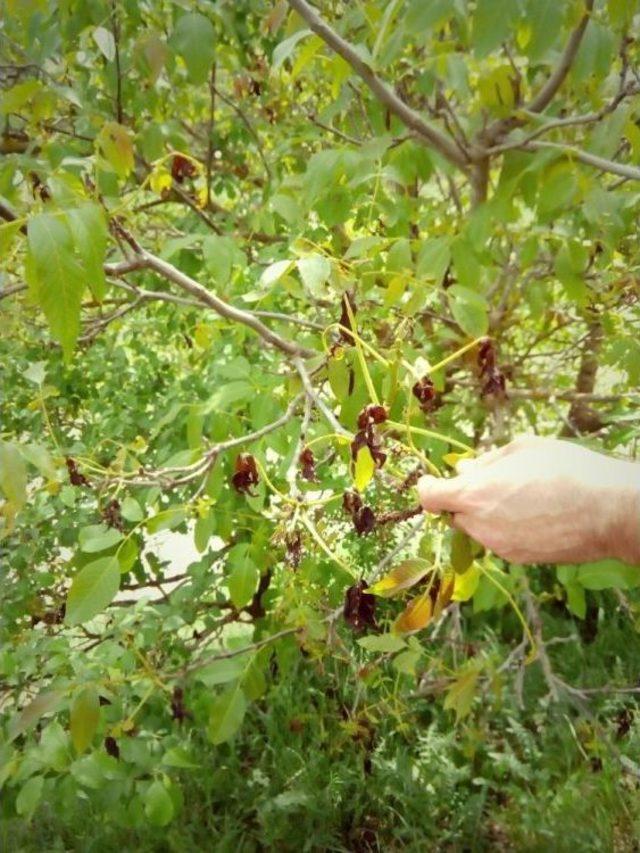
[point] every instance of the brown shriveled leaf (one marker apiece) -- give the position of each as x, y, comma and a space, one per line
416, 615
403, 576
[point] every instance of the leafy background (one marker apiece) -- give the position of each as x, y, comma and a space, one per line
201, 203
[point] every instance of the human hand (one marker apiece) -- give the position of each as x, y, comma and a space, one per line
543, 500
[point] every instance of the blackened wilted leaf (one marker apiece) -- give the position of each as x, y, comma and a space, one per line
111, 515
360, 607
351, 502
178, 710
111, 746
345, 320
181, 168
293, 543
308, 464
371, 415
486, 356
424, 392
75, 477
364, 520
246, 474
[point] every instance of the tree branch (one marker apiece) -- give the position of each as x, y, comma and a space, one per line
622, 169
318, 401
163, 476
427, 134
568, 121
145, 260
544, 97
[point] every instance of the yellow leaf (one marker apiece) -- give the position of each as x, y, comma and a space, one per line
447, 584
84, 719
415, 616
116, 147
460, 695
160, 180
364, 468
466, 584
201, 196
452, 459
403, 576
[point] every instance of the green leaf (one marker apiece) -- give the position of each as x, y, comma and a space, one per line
13, 475
466, 265
220, 254
382, 643
106, 42
203, 531
314, 271
176, 756
461, 552
8, 232
57, 281
127, 554
158, 805
89, 229
84, 718
29, 796
36, 372
576, 599
399, 257
274, 272
40, 458
131, 510
222, 671
166, 519
92, 589
98, 537
544, 19
491, 24
227, 714
607, 574
283, 51
43, 704
621, 12
433, 258
194, 40
469, 310
339, 376
363, 469
244, 576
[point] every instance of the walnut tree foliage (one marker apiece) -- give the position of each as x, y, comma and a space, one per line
264, 264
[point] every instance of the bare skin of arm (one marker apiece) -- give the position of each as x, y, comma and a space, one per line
544, 500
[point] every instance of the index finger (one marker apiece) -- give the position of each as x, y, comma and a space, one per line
439, 495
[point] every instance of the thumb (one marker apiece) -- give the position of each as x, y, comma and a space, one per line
438, 494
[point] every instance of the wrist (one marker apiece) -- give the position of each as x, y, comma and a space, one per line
624, 502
